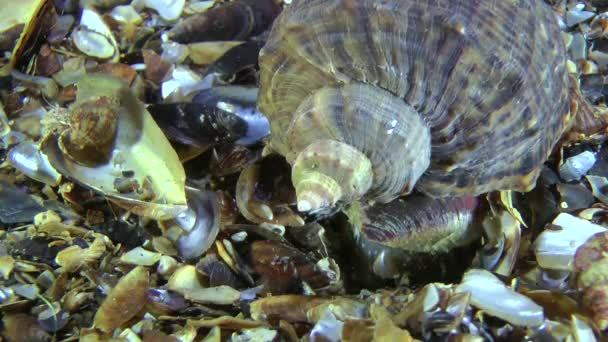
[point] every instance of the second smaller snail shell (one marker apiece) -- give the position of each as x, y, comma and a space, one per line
89, 137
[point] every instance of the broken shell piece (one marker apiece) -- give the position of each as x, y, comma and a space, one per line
93, 43
201, 223
512, 307
577, 166
167, 9
254, 334
599, 188
183, 82
143, 173
26, 158
574, 197
220, 295
125, 300
503, 233
186, 276
555, 248
94, 38
283, 269
74, 257
306, 309
140, 256
576, 16
166, 300
328, 328
126, 15
166, 266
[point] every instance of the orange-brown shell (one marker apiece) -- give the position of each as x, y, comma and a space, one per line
488, 77
89, 138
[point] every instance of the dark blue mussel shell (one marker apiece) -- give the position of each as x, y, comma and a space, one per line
219, 115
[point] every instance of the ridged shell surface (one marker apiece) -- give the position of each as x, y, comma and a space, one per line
488, 78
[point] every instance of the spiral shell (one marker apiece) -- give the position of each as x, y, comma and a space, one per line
89, 138
454, 98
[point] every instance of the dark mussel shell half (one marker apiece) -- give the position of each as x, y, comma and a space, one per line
219, 115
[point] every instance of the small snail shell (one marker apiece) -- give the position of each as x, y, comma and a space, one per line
89, 138
454, 98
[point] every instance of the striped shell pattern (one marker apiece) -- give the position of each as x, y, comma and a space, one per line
369, 99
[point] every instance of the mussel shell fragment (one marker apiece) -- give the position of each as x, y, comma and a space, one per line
283, 268
215, 116
201, 233
26, 158
418, 223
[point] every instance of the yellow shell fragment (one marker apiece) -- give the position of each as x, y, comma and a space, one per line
125, 300
143, 173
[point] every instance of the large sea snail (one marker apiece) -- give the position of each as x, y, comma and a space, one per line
368, 99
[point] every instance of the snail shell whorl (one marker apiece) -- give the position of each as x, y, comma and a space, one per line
89, 138
357, 118
488, 78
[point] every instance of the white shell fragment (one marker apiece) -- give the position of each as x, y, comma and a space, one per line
94, 38
575, 17
141, 257
577, 166
328, 328
126, 14
200, 222
489, 294
578, 47
174, 52
26, 158
167, 9
183, 81
555, 249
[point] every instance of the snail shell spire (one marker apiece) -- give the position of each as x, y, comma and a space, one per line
455, 98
